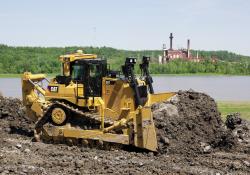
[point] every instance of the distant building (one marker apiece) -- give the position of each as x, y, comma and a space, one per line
171, 54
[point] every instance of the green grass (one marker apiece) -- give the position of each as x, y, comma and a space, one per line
227, 107
10, 75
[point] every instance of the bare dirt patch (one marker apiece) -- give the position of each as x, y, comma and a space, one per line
192, 140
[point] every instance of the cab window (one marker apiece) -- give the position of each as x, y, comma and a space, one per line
94, 71
77, 72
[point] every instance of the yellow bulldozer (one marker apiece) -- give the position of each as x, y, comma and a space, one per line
89, 103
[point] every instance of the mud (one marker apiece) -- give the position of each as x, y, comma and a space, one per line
191, 124
192, 140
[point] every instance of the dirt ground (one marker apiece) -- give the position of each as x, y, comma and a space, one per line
192, 140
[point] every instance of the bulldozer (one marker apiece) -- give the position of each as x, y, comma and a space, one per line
89, 103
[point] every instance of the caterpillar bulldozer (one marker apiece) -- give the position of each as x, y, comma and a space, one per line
89, 103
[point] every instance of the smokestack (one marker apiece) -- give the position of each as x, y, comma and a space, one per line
171, 41
164, 50
188, 48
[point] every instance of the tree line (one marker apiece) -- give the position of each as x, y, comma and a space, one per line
16, 60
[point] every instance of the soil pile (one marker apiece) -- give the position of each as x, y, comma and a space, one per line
190, 123
240, 129
13, 119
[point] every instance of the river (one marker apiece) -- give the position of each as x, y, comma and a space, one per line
223, 88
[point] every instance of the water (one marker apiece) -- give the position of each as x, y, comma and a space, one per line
11, 87
228, 88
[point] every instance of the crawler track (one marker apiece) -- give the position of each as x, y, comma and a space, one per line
77, 119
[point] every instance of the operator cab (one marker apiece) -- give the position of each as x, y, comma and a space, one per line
85, 69
89, 72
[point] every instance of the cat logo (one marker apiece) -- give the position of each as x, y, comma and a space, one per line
53, 88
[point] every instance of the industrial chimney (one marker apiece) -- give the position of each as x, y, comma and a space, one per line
171, 41
164, 50
188, 48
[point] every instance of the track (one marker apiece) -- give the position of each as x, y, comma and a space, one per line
96, 118
79, 120
91, 116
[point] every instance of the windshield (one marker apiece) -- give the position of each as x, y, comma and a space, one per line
94, 70
77, 72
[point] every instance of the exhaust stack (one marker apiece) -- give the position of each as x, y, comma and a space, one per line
188, 48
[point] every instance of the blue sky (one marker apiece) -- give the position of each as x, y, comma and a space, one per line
130, 24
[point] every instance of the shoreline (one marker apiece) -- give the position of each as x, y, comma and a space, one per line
156, 75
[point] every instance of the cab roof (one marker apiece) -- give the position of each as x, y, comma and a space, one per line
78, 55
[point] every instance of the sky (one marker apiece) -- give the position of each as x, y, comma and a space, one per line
127, 24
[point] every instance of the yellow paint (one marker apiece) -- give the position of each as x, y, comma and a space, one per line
76, 56
58, 116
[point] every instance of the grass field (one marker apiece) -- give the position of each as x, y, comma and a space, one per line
227, 107
10, 75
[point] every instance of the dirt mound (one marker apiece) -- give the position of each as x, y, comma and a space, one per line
13, 119
190, 123
233, 120
240, 129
